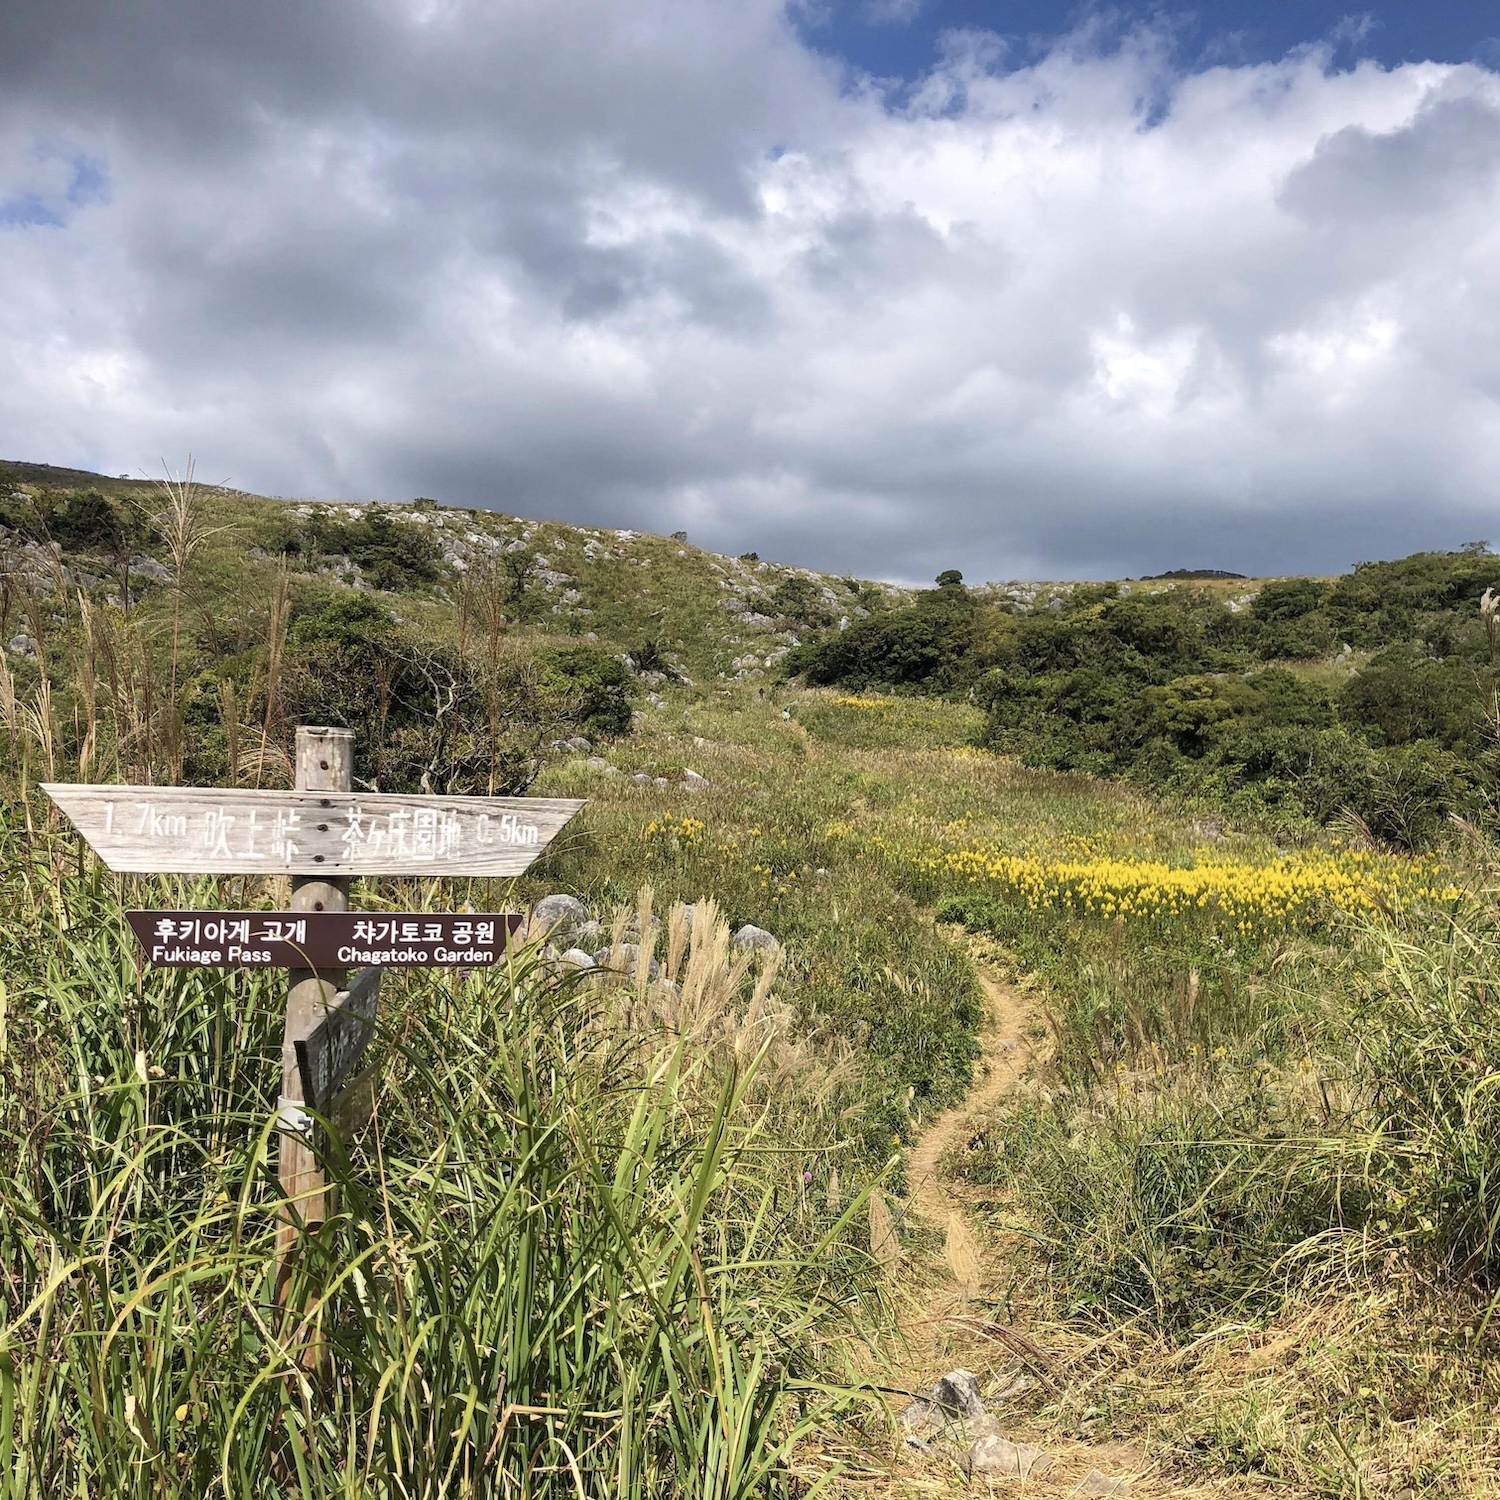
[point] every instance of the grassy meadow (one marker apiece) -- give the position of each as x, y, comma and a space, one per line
610, 1233
1250, 1188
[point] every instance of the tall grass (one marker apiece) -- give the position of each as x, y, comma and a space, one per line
1327, 1112
1184, 1204
568, 1255
1428, 1050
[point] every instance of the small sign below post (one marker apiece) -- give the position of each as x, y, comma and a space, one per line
332, 1050
321, 939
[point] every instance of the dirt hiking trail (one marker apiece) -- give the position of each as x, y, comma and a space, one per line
949, 1320
1004, 1053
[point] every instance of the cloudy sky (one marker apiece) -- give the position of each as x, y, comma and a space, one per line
884, 286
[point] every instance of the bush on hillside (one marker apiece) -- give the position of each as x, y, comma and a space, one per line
432, 718
393, 554
598, 683
85, 521
1401, 697
77, 520
904, 649
1386, 603
1290, 619
922, 646
798, 602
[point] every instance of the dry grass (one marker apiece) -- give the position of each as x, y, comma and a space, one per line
692, 992
1349, 1396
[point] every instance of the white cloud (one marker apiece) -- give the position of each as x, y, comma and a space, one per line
659, 265
893, 12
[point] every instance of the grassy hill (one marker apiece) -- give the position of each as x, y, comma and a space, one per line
706, 613
1289, 702
637, 1236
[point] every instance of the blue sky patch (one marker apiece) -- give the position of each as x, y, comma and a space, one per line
901, 40
27, 211
70, 179
90, 182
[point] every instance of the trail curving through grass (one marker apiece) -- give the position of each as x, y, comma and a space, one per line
1003, 1056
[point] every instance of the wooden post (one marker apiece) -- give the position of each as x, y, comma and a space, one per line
325, 763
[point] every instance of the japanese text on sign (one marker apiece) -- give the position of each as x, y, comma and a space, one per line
434, 834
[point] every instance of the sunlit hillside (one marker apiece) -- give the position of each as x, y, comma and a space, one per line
953, 980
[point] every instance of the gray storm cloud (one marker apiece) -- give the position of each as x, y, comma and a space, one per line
659, 265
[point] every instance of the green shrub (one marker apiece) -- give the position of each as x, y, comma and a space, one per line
924, 645
901, 649
86, 521
428, 716
394, 554
598, 680
77, 520
1386, 603
1401, 697
800, 604
1290, 619
346, 620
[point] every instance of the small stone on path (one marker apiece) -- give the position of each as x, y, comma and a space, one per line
955, 1397
1096, 1482
998, 1455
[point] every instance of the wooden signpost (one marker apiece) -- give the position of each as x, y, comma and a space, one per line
323, 834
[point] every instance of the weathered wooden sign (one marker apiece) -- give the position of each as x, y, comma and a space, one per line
203, 831
331, 1051
321, 939
322, 834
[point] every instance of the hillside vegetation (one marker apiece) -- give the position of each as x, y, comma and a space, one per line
1296, 698
614, 1232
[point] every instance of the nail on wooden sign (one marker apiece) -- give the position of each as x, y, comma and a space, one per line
321, 940
203, 831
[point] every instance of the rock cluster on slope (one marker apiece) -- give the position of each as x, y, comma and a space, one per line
577, 941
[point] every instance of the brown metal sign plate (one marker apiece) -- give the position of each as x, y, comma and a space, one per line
321, 940
331, 1052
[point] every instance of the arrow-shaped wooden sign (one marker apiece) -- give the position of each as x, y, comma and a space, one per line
204, 831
